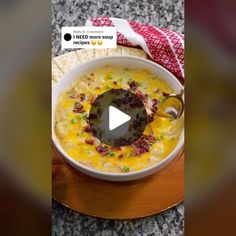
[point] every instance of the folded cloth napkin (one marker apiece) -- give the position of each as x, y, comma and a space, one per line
164, 46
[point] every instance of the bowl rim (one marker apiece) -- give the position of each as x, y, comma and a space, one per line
104, 174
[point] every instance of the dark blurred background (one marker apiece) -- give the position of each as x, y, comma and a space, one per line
210, 71
25, 170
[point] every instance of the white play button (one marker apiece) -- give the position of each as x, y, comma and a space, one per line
117, 118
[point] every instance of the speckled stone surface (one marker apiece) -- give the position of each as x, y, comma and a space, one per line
162, 13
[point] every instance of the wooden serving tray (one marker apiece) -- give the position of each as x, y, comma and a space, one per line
118, 200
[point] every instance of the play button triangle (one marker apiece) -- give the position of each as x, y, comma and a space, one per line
117, 118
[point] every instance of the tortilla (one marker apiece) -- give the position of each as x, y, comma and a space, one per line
56, 72
67, 61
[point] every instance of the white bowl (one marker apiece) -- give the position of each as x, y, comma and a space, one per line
126, 61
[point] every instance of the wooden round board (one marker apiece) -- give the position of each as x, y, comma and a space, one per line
118, 200
114, 200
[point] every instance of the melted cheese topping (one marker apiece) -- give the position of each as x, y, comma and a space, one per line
69, 125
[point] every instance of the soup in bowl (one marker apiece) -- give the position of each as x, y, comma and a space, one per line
72, 98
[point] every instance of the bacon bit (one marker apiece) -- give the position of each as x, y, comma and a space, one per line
155, 105
116, 148
143, 97
104, 153
90, 78
155, 102
82, 97
73, 96
103, 150
114, 82
137, 151
88, 129
165, 94
150, 118
143, 144
154, 109
78, 108
150, 138
133, 85
89, 141
157, 90
120, 156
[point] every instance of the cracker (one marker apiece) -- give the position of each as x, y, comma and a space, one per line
103, 52
115, 51
56, 72
67, 61
127, 51
85, 54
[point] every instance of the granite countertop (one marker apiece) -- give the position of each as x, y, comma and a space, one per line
161, 13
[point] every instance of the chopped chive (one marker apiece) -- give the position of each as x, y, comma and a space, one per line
108, 86
128, 155
126, 169
84, 117
111, 153
120, 79
74, 121
160, 137
87, 151
109, 76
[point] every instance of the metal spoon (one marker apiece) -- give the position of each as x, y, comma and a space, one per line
172, 106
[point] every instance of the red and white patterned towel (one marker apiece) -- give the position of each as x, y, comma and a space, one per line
164, 46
